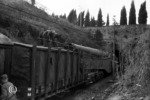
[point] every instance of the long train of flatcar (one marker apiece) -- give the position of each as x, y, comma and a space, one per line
40, 72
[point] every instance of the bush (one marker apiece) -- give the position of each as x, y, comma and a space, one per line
98, 37
5, 21
34, 32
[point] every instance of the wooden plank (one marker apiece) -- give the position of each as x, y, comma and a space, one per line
46, 69
72, 60
56, 69
7, 62
65, 68
78, 66
12, 57
83, 72
33, 55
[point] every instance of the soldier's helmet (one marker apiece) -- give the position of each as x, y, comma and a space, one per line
4, 77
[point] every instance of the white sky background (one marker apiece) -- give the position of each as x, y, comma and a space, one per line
112, 7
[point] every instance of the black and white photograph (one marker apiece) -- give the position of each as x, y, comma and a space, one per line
74, 49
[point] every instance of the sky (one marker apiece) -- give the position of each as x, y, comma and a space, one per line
111, 7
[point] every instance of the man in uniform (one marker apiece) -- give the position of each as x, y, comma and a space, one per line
49, 36
52, 37
8, 90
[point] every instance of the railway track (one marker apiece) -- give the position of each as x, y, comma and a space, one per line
86, 92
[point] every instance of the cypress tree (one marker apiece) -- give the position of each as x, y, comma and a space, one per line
63, 16
72, 17
80, 20
123, 16
142, 19
107, 23
132, 14
100, 21
87, 19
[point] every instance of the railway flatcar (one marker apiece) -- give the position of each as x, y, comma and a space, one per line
40, 72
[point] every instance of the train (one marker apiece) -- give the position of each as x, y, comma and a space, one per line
40, 72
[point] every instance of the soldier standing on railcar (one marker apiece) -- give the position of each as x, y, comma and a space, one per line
8, 90
50, 36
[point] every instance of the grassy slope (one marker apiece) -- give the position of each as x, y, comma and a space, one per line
69, 32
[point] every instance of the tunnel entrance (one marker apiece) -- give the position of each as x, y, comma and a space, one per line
119, 57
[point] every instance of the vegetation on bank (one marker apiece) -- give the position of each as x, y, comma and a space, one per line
134, 82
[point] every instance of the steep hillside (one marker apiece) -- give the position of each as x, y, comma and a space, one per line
135, 82
134, 46
23, 22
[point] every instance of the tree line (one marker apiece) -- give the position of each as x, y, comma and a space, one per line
142, 16
86, 20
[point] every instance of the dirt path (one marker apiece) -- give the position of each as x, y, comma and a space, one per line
93, 92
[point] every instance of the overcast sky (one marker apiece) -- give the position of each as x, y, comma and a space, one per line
112, 7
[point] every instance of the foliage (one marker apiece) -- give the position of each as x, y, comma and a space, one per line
34, 32
54, 16
87, 19
100, 21
134, 83
80, 21
107, 23
63, 16
132, 14
72, 17
136, 76
142, 19
93, 22
123, 18
22, 29
5, 21
98, 37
